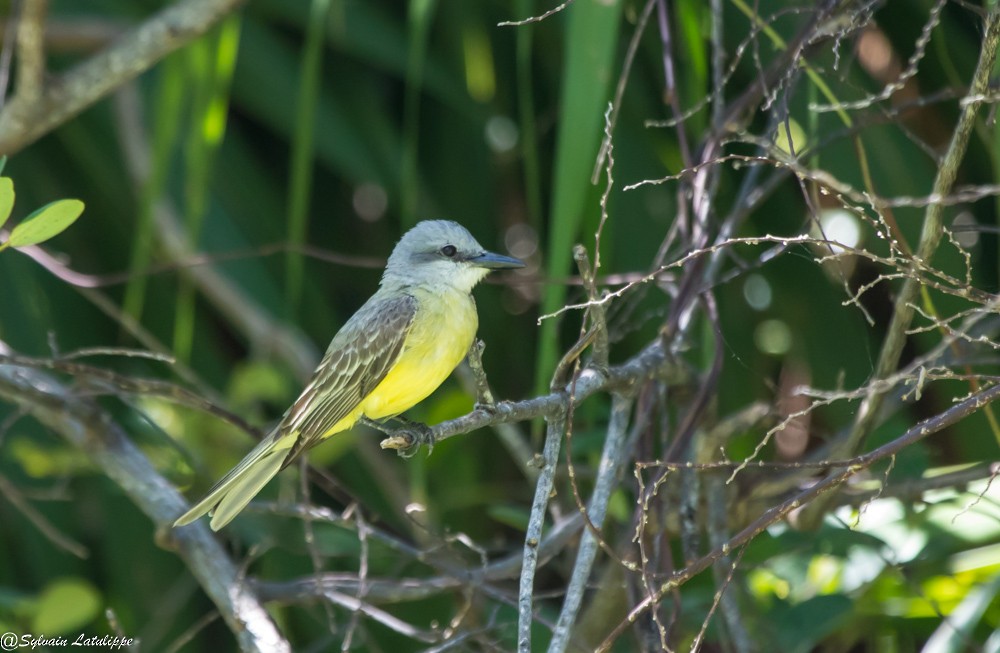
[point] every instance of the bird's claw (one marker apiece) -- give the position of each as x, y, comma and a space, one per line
407, 439
487, 407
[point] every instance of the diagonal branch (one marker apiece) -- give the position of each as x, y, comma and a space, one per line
918, 432
31, 49
35, 112
930, 236
87, 427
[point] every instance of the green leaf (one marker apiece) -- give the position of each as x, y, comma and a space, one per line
6, 198
953, 635
66, 605
3, 162
807, 623
48, 221
513, 516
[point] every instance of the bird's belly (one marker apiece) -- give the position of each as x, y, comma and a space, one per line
439, 339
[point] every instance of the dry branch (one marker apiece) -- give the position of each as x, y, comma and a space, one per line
84, 425
36, 109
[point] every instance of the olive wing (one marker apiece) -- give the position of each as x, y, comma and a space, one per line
359, 357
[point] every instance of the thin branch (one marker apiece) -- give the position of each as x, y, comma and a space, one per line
10, 492
381, 616
930, 236
98, 380
91, 430
607, 475
484, 396
649, 363
918, 432
510, 436
535, 19
384, 590
556, 427
31, 50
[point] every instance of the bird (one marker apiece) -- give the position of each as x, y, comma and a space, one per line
390, 355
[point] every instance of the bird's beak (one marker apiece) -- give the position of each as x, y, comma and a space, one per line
492, 261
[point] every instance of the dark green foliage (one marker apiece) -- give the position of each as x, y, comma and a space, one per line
286, 151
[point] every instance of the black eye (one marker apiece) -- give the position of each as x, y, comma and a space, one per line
449, 250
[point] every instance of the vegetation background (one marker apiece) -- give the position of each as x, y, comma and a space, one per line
246, 167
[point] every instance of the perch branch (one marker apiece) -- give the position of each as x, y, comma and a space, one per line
649, 363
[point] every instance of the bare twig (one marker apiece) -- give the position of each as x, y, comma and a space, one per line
381, 616
99, 380
10, 492
556, 427
535, 19
608, 472
382, 590
918, 432
88, 428
484, 396
510, 435
895, 339
651, 362
31, 50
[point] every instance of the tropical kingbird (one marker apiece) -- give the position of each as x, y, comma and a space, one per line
396, 350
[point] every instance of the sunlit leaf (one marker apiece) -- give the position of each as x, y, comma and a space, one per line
47, 222
66, 605
954, 634
6, 198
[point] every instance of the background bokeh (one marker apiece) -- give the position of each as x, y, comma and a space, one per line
242, 195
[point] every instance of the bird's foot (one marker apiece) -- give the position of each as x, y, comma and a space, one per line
378, 426
407, 439
488, 407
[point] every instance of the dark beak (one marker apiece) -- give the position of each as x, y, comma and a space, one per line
492, 261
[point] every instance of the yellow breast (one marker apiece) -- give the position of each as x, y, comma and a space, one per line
439, 338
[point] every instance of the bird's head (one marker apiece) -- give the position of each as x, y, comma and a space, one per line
442, 252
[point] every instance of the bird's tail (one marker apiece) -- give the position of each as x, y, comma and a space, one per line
235, 490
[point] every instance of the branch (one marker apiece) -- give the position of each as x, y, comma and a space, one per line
649, 363
308, 588
930, 236
263, 332
31, 114
31, 49
607, 473
543, 492
91, 430
916, 433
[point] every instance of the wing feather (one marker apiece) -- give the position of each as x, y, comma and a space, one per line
359, 357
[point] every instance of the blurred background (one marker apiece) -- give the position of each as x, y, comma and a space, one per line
243, 193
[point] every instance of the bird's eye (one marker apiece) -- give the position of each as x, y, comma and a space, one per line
449, 250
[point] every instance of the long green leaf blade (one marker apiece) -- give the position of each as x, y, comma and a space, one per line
303, 148
592, 33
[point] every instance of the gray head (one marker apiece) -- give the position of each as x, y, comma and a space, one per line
441, 252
